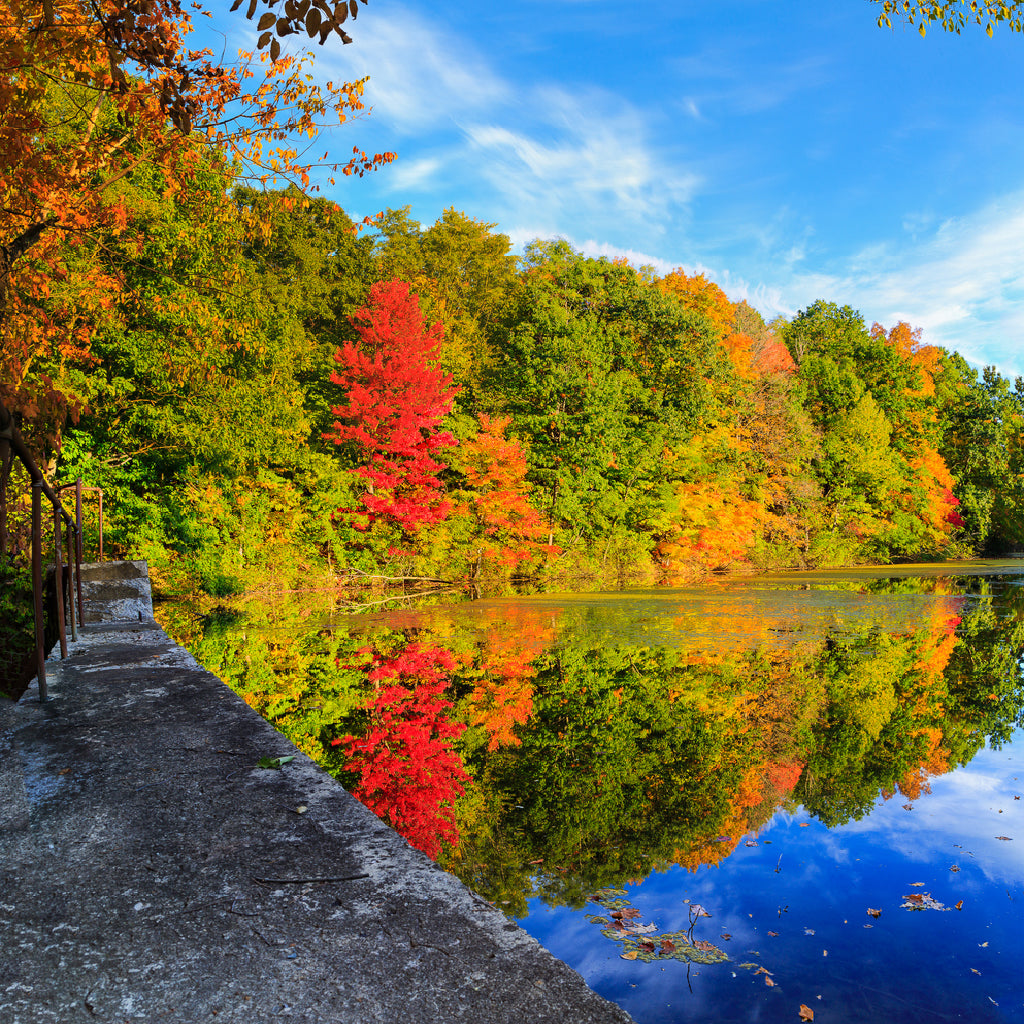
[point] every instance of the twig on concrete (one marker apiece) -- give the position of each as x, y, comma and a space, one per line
302, 881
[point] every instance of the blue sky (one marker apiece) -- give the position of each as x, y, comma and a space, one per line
790, 150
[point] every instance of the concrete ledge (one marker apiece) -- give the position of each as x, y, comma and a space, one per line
116, 591
151, 873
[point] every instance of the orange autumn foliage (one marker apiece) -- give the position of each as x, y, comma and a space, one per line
700, 295
495, 468
90, 94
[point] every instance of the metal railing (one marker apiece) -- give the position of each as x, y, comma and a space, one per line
12, 441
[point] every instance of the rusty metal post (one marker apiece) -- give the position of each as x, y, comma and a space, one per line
72, 576
37, 583
78, 546
101, 525
6, 464
58, 574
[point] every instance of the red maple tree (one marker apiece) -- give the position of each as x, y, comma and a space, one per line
396, 399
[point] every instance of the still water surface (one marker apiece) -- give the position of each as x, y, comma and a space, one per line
723, 803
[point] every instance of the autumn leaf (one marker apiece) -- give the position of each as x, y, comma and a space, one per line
874, 913
768, 981
806, 1013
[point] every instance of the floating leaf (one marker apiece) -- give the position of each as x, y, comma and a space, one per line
922, 901
631, 955
768, 981
1005, 839
806, 1013
917, 884
874, 912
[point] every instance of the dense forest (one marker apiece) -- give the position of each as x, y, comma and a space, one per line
271, 395
275, 405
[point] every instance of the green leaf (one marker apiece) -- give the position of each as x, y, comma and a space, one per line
274, 762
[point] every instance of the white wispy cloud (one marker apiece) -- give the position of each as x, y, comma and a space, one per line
962, 282
582, 158
420, 75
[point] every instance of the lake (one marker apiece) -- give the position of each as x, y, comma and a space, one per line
757, 799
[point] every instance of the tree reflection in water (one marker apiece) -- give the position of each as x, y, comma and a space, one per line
552, 752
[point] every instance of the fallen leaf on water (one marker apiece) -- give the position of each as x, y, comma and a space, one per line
698, 911
631, 955
824, 952
908, 807
975, 971
762, 970
808, 931
959, 906
774, 935
644, 929
874, 913
869, 926
806, 1013
1005, 839
917, 883
726, 936
667, 945
922, 901
628, 913
954, 867
647, 946
982, 945
706, 947
768, 981
750, 842
805, 824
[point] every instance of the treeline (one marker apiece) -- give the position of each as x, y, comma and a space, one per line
262, 394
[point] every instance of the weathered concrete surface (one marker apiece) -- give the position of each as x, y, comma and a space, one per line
151, 873
116, 591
